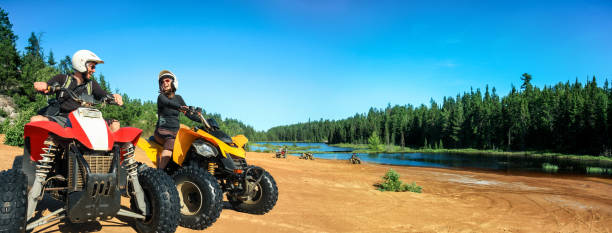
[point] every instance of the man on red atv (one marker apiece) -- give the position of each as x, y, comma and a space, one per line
80, 82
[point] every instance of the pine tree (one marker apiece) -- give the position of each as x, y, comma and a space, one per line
65, 65
103, 83
457, 119
374, 141
526, 78
51, 59
9, 58
33, 48
32, 65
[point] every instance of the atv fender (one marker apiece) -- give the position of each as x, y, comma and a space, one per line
38, 131
240, 140
237, 150
151, 149
182, 143
127, 134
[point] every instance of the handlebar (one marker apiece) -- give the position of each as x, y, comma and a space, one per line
108, 99
198, 112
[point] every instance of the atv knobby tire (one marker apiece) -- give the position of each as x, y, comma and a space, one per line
263, 200
18, 162
201, 198
162, 202
13, 204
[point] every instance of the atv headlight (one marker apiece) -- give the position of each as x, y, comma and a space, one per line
203, 149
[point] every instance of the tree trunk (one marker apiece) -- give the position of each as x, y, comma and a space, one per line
509, 138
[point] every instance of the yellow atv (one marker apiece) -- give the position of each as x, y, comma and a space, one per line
206, 163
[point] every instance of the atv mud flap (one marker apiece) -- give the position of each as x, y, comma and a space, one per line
100, 200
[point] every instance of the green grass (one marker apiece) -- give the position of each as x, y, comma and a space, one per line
551, 168
292, 148
348, 145
598, 170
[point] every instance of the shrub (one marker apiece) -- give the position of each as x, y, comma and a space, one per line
4, 125
391, 182
374, 142
14, 130
413, 187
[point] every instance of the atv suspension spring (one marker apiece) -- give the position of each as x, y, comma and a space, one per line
211, 168
46, 163
131, 164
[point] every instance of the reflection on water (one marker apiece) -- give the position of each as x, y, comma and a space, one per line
488, 162
318, 146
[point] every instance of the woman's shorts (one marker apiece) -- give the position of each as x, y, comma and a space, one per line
165, 137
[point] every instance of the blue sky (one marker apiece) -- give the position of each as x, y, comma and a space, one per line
277, 62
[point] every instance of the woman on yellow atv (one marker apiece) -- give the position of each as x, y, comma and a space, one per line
169, 105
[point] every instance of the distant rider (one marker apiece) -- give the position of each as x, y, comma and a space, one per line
80, 82
169, 105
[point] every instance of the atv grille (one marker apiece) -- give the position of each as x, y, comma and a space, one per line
240, 163
97, 164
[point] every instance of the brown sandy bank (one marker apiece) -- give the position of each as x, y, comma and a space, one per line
335, 196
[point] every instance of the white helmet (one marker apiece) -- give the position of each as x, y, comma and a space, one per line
81, 57
167, 73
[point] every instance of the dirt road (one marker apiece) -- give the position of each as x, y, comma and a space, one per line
335, 196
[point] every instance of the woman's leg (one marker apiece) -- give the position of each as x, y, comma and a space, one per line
166, 155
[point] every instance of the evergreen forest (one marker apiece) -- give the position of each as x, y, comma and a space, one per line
564, 118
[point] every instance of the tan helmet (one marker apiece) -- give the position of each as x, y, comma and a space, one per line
167, 73
81, 57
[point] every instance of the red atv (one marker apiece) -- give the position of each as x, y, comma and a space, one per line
282, 153
88, 168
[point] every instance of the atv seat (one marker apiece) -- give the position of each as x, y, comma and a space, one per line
153, 141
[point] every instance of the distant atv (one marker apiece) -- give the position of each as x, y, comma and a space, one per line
281, 154
207, 163
86, 167
354, 159
307, 156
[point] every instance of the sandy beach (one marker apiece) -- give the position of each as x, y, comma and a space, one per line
335, 196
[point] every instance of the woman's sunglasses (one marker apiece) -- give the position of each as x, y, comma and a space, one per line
166, 78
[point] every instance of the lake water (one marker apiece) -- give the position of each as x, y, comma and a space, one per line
486, 162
